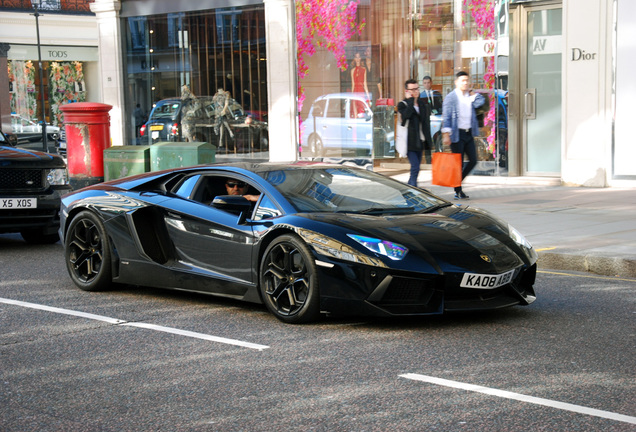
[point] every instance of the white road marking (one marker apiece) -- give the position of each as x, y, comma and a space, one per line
116, 321
520, 397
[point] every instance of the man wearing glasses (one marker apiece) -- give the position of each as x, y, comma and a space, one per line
236, 187
417, 112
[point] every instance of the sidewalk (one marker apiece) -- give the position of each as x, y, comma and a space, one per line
572, 228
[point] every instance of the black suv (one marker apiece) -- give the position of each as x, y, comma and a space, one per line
31, 186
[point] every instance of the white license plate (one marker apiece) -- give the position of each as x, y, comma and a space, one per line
62, 144
155, 134
18, 203
484, 281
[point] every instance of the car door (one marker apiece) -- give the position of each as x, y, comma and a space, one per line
208, 241
334, 128
359, 125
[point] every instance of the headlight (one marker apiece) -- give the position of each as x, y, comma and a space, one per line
57, 177
518, 237
394, 251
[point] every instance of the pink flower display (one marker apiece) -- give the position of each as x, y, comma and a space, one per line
483, 16
327, 24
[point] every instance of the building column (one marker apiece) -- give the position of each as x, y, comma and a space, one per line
5, 105
280, 37
110, 63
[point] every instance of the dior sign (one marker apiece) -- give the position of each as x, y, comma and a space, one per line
579, 55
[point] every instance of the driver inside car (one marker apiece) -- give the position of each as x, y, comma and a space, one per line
236, 187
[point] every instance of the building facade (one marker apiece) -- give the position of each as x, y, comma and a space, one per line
70, 67
311, 79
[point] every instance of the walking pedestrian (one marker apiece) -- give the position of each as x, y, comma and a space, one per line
417, 112
460, 125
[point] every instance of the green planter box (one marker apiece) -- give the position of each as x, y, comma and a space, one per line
124, 161
166, 155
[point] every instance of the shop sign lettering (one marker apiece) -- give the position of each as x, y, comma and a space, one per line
578, 54
58, 54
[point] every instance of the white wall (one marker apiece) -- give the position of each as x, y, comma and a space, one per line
587, 81
281, 79
624, 157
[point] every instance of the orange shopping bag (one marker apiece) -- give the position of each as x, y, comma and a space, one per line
447, 169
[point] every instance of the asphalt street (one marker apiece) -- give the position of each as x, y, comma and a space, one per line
145, 359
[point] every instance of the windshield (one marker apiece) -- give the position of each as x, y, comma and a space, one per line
344, 189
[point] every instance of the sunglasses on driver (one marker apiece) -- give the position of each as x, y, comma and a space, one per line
233, 184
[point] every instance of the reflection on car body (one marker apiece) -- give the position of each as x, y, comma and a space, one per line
322, 239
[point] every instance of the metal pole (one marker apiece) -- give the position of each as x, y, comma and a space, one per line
37, 30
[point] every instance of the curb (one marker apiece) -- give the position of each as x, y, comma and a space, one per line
600, 265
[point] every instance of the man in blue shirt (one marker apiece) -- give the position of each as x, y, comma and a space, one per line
460, 123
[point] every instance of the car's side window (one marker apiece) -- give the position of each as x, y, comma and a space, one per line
266, 209
319, 108
186, 187
336, 108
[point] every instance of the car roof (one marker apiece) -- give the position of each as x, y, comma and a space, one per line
343, 95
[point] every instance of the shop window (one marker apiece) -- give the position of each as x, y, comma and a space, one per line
212, 65
370, 49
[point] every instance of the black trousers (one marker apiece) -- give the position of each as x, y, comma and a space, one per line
465, 146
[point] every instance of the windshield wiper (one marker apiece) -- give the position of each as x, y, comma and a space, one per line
435, 208
391, 210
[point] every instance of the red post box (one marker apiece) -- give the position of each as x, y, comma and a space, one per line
87, 126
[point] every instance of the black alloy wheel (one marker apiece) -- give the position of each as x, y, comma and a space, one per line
87, 253
289, 282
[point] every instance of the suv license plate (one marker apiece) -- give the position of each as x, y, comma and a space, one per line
484, 281
18, 203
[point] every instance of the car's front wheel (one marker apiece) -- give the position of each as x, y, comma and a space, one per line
87, 253
289, 281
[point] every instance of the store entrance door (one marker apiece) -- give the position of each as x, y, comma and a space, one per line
537, 36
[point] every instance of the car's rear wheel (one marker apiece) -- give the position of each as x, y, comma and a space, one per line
87, 254
315, 145
289, 281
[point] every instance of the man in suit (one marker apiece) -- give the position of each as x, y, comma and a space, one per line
460, 124
417, 112
433, 97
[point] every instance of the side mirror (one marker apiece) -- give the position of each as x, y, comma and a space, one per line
13, 140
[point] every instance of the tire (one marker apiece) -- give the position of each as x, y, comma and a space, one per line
37, 236
315, 145
87, 253
289, 281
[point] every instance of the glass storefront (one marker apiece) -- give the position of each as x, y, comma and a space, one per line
65, 81
353, 60
199, 76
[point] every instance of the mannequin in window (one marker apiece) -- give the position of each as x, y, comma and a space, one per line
359, 83
221, 102
373, 78
188, 113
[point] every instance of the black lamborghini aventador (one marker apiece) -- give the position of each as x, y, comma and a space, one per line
319, 239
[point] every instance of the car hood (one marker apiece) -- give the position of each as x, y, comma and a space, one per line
11, 157
452, 240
